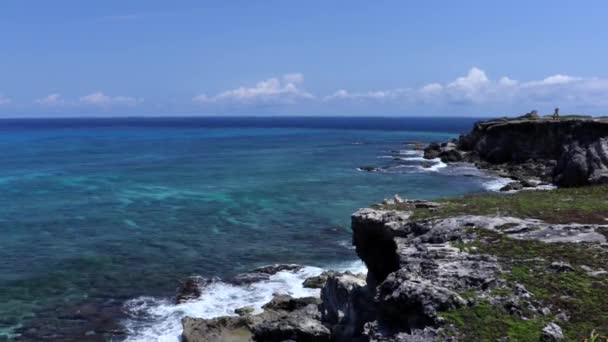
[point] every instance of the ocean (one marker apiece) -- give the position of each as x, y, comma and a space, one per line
100, 219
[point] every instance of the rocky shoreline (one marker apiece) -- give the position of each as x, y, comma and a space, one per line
534, 151
526, 266
428, 271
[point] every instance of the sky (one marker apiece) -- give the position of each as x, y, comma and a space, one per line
332, 58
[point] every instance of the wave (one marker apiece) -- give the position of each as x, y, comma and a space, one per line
438, 165
159, 319
496, 183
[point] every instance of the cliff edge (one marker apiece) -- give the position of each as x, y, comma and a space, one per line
527, 266
567, 152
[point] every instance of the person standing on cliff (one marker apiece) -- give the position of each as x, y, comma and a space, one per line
556, 114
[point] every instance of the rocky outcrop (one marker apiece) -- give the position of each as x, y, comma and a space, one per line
346, 306
418, 272
283, 319
221, 329
567, 152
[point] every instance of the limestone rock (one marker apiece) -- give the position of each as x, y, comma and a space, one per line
221, 329
346, 306
552, 333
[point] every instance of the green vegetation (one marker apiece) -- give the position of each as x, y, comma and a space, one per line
484, 322
527, 262
568, 205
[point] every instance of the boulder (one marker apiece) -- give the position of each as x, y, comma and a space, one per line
432, 151
369, 169
191, 288
582, 164
221, 329
513, 186
317, 282
450, 156
346, 306
286, 318
244, 311
263, 273
552, 333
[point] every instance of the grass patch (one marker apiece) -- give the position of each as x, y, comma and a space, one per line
484, 322
581, 205
583, 297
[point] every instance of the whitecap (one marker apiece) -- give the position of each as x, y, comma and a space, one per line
155, 319
497, 183
438, 164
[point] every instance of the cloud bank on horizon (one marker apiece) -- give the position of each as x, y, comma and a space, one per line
287, 94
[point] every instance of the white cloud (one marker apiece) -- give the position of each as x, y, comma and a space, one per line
284, 90
554, 80
375, 95
4, 100
507, 82
432, 88
51, 100
100, 99
477, 88
295, 78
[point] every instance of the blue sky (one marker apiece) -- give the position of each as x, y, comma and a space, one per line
375, 58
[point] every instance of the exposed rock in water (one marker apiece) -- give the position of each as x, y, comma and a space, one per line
317, 282
244, 311
513, 186
191, 288
369, 168
263, 273
284, 318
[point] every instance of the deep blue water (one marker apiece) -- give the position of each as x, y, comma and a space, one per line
114, 209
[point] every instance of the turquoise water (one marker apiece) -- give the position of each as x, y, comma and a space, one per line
106, 213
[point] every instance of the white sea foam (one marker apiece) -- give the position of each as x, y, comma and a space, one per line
154, 319
411, 152
495, 184
438, 164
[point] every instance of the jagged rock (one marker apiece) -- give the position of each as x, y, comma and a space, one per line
288, 303
552, 333
346, 306
561, 267
317, 282
450, 156
412, 302
244, 311
221, 329
191, 288
377, 332
570, 152
263, 273
286, 318
513, 186
582, 163
369, 168
432, 151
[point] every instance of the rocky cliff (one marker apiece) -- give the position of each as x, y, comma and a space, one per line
567, 152
520, 267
